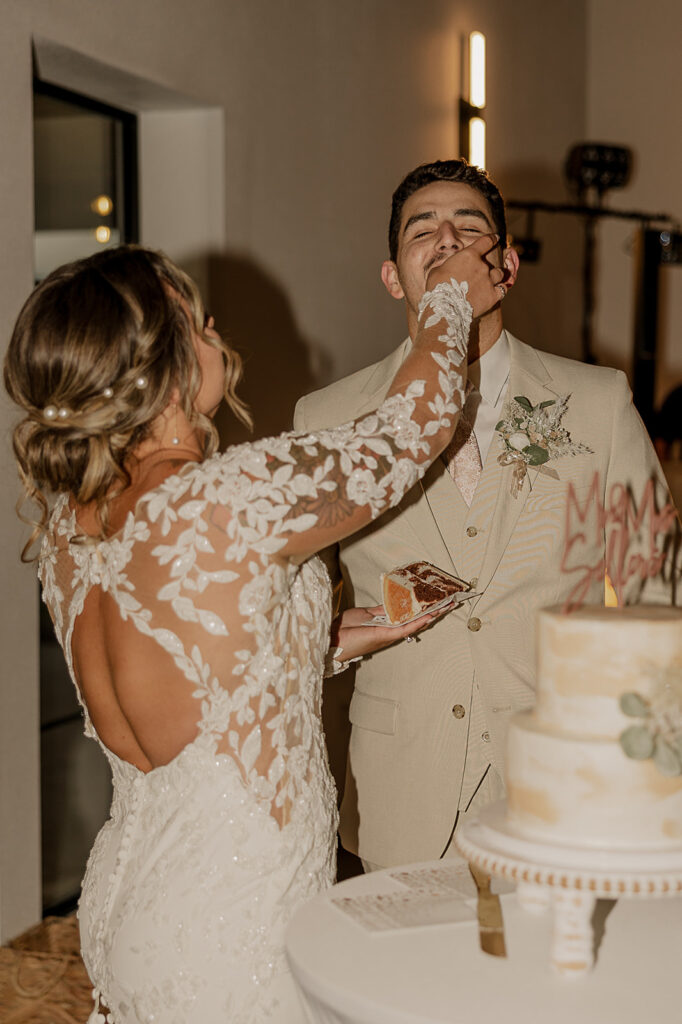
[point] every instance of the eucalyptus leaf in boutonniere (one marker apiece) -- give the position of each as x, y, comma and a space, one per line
658, 734
532, 435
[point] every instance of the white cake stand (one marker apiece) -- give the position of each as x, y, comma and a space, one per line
570, 878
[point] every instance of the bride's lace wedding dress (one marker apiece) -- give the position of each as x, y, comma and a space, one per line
193, 878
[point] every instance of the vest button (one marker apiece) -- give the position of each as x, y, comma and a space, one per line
474, 624
458, 711
471, 531
474, 581
485, 736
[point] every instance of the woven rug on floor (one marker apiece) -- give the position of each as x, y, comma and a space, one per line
42, 977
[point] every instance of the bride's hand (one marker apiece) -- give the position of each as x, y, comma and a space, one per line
474, 264
357, 640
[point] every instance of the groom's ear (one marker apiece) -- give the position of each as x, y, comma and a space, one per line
389, 275
510, 261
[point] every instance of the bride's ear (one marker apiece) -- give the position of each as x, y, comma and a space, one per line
389, 275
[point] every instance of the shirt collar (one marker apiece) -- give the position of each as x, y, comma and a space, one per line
490, 373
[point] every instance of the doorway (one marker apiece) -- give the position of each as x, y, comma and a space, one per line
86, 199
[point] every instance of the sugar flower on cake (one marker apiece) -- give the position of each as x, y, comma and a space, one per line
658, 734
532, 435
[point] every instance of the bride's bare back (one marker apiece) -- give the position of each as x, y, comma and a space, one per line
138, 701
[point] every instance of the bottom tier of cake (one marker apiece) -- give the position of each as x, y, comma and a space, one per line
586, 792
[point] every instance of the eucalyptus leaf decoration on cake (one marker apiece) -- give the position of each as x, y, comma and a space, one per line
532, 435
658, 734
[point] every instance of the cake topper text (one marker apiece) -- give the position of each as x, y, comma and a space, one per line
617, 524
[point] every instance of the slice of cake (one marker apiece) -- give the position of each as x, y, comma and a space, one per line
411, 590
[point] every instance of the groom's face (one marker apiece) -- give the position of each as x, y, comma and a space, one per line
437, 221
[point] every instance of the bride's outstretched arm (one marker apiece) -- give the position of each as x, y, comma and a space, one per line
299, 493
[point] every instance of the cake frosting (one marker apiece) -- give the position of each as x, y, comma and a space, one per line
569, 780
411, 590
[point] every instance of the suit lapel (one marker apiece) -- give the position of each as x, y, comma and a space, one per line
441, 497
493, 502
438, 516
427, 510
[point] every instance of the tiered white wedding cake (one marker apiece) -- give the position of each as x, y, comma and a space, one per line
598, 762
594, 774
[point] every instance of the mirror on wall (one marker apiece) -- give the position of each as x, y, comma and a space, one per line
85, 156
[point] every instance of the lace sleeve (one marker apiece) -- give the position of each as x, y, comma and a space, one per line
297, 493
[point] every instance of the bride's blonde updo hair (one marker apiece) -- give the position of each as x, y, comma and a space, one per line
95, 355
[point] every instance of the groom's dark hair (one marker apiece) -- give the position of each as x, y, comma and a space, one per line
445, 170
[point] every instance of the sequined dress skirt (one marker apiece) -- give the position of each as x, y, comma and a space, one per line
188, 891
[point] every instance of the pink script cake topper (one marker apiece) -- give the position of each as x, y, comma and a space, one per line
617, 524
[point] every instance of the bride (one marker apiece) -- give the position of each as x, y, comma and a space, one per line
195, 620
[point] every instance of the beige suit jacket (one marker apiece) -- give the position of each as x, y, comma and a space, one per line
428, 718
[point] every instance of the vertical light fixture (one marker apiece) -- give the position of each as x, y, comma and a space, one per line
472, 108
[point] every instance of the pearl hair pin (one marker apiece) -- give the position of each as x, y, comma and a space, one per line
51, 412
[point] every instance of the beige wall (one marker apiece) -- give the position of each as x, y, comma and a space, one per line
634, 96
325, 105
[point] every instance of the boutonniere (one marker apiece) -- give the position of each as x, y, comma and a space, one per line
532, 435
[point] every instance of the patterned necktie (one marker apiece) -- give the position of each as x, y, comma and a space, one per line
462, 456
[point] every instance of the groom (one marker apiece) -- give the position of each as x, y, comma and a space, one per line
429, 718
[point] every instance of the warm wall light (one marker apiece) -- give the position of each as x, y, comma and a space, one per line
477, 69
472, 104
102, 234
477, 141
103, 205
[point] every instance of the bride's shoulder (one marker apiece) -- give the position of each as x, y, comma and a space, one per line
230, 478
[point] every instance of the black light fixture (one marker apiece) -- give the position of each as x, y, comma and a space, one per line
528, 246
593, 168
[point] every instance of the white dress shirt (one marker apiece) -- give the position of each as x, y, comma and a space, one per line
490, 378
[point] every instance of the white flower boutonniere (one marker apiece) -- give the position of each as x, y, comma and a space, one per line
532, 435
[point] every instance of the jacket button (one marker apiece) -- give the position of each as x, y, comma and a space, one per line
471, 531
458, 711
485, 736
474, 581
474, 625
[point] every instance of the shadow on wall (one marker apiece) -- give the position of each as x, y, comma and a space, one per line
254, 314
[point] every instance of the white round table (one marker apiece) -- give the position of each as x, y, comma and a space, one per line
438, 973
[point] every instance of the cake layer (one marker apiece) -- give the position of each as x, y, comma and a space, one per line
589, 658
586, 792
410, 590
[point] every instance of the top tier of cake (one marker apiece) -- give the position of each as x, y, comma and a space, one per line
589, 658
